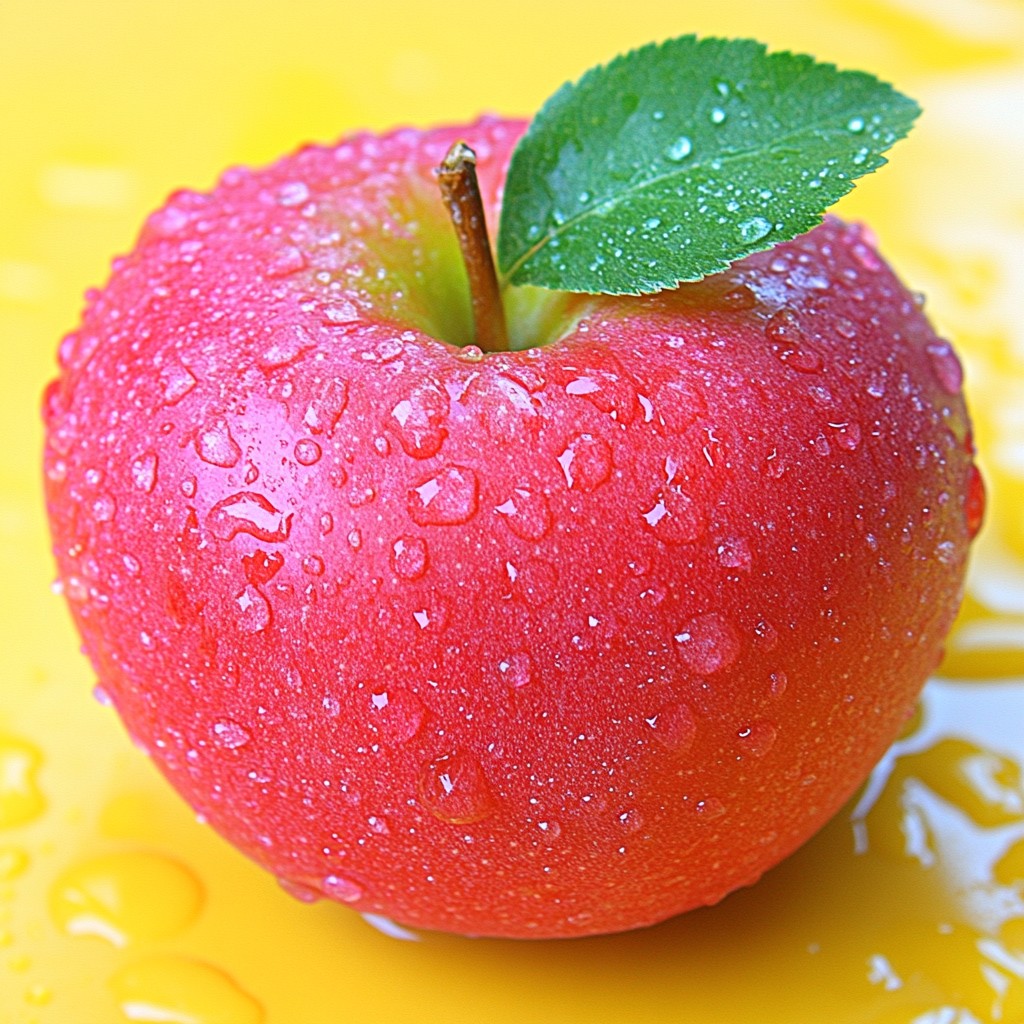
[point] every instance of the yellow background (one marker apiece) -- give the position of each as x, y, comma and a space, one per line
108, 105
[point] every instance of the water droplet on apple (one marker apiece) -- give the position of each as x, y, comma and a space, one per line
300, 890
734, 553
675, 517
229, 734
449, 498
946, 366
778, 682
177, 382
679, 150
252, 513
313, 565
307, 452
526, 513
789, 344
847, 436
343, 889
674, 727
708, 643
325, 408
254, 614
144, 472
586, 463
631, 820
409, 558
709, 808
717, 115
294, 193
104, 508
288, 260
740, 297
399, 713
418, 421
455, 790
757, 738
517, 669
216, 446
287, 344
582, 386
866, 256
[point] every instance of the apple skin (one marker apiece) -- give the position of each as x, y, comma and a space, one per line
555, 642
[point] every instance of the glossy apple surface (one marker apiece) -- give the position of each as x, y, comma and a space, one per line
548, 643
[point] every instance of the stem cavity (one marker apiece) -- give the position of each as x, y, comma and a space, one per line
461, 192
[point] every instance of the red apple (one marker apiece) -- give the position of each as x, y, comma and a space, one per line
551, 642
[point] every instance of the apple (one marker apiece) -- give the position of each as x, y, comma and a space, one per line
555, 641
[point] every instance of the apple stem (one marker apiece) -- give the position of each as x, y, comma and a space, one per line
461, 192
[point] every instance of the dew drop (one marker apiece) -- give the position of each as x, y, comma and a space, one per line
325, 409
342, 889
847, 436
709, 808
229, 734
526, 513
288, 260
216, 446
144, 472
517, 669
679, 150
586, 463
740, 297
855, 125
631, 820
757, 738
734, 553
287, 344
254, 614
400, 714
455, 790
418, 421
294, 193
674, 727
708, 643
788, 343
717, 115
754, 229
251, 513
300, 890
675, 517
177, 381
409, 558
104, 508
307, 452
125, 898
448, 498
946, 366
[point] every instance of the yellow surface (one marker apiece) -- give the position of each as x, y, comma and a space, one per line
115, 904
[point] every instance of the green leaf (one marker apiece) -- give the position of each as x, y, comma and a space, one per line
676, 159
